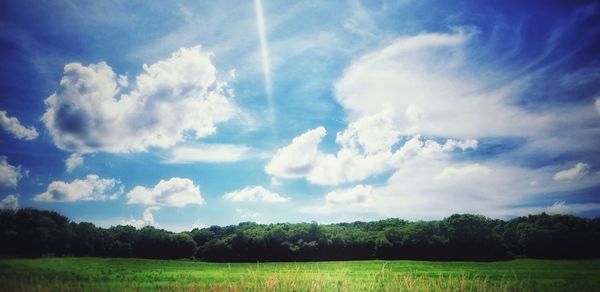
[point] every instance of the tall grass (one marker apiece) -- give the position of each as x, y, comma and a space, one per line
92, 274
383, 280
283, 279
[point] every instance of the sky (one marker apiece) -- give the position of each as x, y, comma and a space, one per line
184, 114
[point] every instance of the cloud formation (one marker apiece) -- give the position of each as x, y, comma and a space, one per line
209, 153
298, 158
92, 188
578, 171
175, 192
362, 153
13, 126
9, 202
9, 174
173, 100
434, 185
561, 207
75, 160
422, 82
146, 220
356, 199
254, 194
412, 106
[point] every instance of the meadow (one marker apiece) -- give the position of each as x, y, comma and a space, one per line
109, 274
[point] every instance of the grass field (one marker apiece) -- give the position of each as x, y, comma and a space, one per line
103, 274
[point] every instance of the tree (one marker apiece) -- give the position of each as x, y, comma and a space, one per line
31, 232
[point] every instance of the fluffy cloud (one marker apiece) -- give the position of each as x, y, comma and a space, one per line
209, 153
597, 104
275, 182
9, 175
432, 187
561, 207
357, 199
350, 164
9, 202
253, 194
298, 158
421, 82
13, 126
147, 219
173, 100
246, 214
363, 153
175, 192
578, 171
361, 195
432, 84
411, 105
373, 134
92, 188
75, 160
466, 172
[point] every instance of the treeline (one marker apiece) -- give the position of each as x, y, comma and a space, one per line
32, 233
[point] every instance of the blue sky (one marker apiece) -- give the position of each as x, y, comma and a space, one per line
192, 113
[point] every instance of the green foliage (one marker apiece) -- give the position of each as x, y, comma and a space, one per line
30, 232
98, 274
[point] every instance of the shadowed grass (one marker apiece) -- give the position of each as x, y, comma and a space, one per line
101, 274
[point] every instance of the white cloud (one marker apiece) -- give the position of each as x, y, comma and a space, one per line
175, 192
577, 172
412, 104
348, 165
431, 85
9, 202
297, 159
359, 194
597, 104
359, 198
13, 126
90, 112
75, 160
422, 83
414, 113
426, 188
432, 185
558, 207
561, 207
183, 226
210, 153
363, 153
275, 182
92, 188
254, 194
463, 172
9, 175
147, 219
250, 215
372, 134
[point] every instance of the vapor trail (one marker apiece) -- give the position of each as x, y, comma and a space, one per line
264, 50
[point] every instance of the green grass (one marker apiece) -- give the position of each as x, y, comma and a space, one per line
105, 274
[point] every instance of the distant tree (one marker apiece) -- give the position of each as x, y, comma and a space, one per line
87, 240
472, 237
181, 246
31, 232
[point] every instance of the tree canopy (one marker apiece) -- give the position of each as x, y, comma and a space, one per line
32, 233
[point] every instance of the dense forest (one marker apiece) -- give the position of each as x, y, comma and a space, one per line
32, 233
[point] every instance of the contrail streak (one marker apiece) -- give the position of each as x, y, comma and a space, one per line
264, 50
